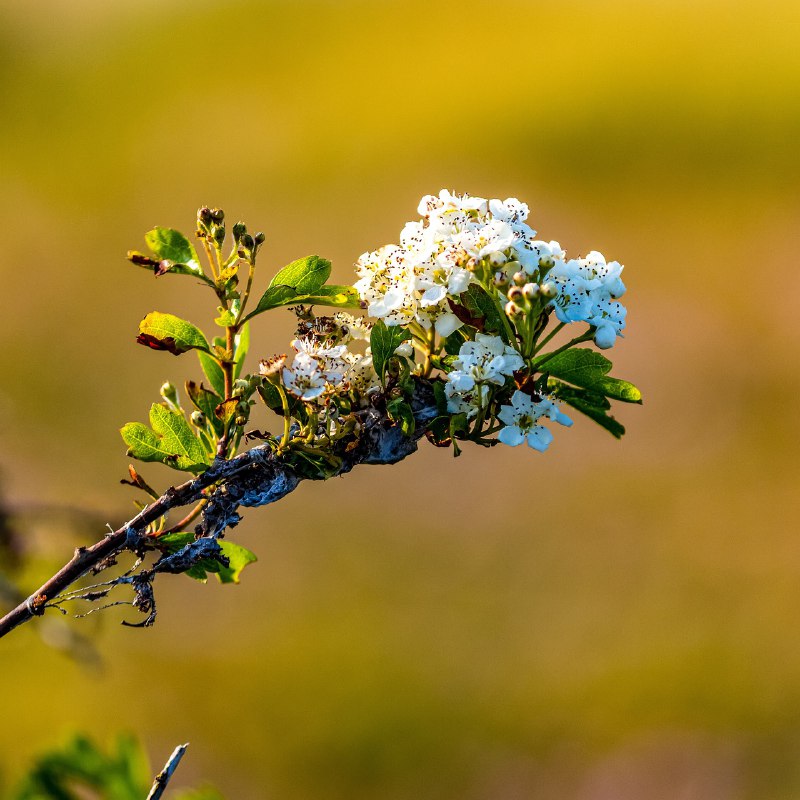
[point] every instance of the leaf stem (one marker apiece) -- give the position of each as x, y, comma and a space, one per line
549, 336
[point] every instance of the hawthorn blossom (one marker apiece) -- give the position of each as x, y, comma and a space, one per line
587, 290
520, 420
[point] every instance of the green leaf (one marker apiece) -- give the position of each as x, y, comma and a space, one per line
168, 332
588, 369
241, 347
171, 441
304, 277
400, 411
384, 340
213, 372
239, 557
175, 253
593, 405
226, 318
206, 401
482, 310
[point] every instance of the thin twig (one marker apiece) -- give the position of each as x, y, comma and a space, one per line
162, 779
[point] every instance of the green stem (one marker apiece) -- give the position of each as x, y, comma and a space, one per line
287, 417
246, 294
549, 336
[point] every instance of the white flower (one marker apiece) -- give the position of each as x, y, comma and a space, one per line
353, 328
304, 379
488, 359
520, 421
587, 290
465, 401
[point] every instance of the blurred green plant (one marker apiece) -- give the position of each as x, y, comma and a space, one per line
81, 769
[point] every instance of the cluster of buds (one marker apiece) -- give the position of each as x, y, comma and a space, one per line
211, 225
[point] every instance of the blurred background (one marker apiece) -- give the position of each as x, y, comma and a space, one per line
610, 620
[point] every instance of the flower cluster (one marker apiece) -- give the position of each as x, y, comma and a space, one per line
587, 290
480, 363
477, 295
324, 362
461, 237
520, 419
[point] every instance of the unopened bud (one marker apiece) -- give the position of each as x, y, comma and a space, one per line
218, 215
204, 215
548, 262
219, 235
513, 310
548, 290
241, 420
515, 294
170, 394
530, 290
247, 241
520, 278
259, 238
198, 419
239, 229
500, 280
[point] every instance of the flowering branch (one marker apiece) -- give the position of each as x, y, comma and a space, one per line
458, 316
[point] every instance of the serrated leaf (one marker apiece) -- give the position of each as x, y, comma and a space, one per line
589, 370
170, 441
305, 276
168, 332
593, 405
384, 340
482, 311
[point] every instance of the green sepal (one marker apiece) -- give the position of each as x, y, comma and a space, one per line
206, 401
438, 432
170, 440
168, 332
400, 411
589, 370
452, 344
305, 276
271, 397
383, 341
593, 405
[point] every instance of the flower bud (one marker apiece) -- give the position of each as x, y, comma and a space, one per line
530, 290
204, 216
170, 394
515, 294
513, 310
198, 419
239, 229
548, 290
241, 420
520, 278
247, 241
219, 235
259, 239
500, 280
218, 215
546, 263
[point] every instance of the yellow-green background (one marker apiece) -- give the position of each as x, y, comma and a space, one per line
611, 620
